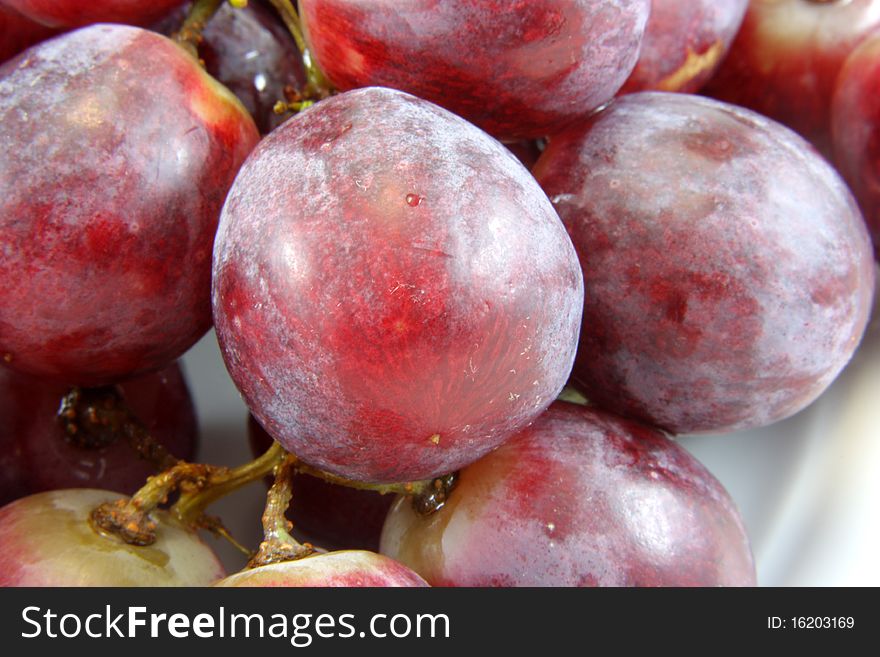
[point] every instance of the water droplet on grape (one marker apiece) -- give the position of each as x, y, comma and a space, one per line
413, 200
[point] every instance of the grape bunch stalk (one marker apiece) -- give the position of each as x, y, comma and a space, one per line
472, 266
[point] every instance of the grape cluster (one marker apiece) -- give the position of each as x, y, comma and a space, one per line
399, 299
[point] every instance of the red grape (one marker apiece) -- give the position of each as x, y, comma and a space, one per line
36, 455
786, 58
684, 43
517, 69
334, 569
855, 123
580, 498
74, 13
728, 273
393, 294
18, 32
46, 540
251, 52
122, 150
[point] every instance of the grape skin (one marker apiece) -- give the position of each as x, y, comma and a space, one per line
580, 498
123, 152
331, 516
376, 279
855, 129
76, 13
251, 52
685, 42
729, 276
18, 33
518, 69
786, 57
345, 568
46, 540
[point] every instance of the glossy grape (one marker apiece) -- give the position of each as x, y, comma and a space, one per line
335, 569
46, 540
684, 43
393, 294
516, 69
36, 454
855, 123
728, 272
251, 52
122, 149
580, 498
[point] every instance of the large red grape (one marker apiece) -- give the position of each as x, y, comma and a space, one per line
684, 43
18, 32
74, 13
46, 540
786, 57
345, 568
36, 455
393, 294
251, 52
517, 69
855, 123
728, 272
580, 498
120, 152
